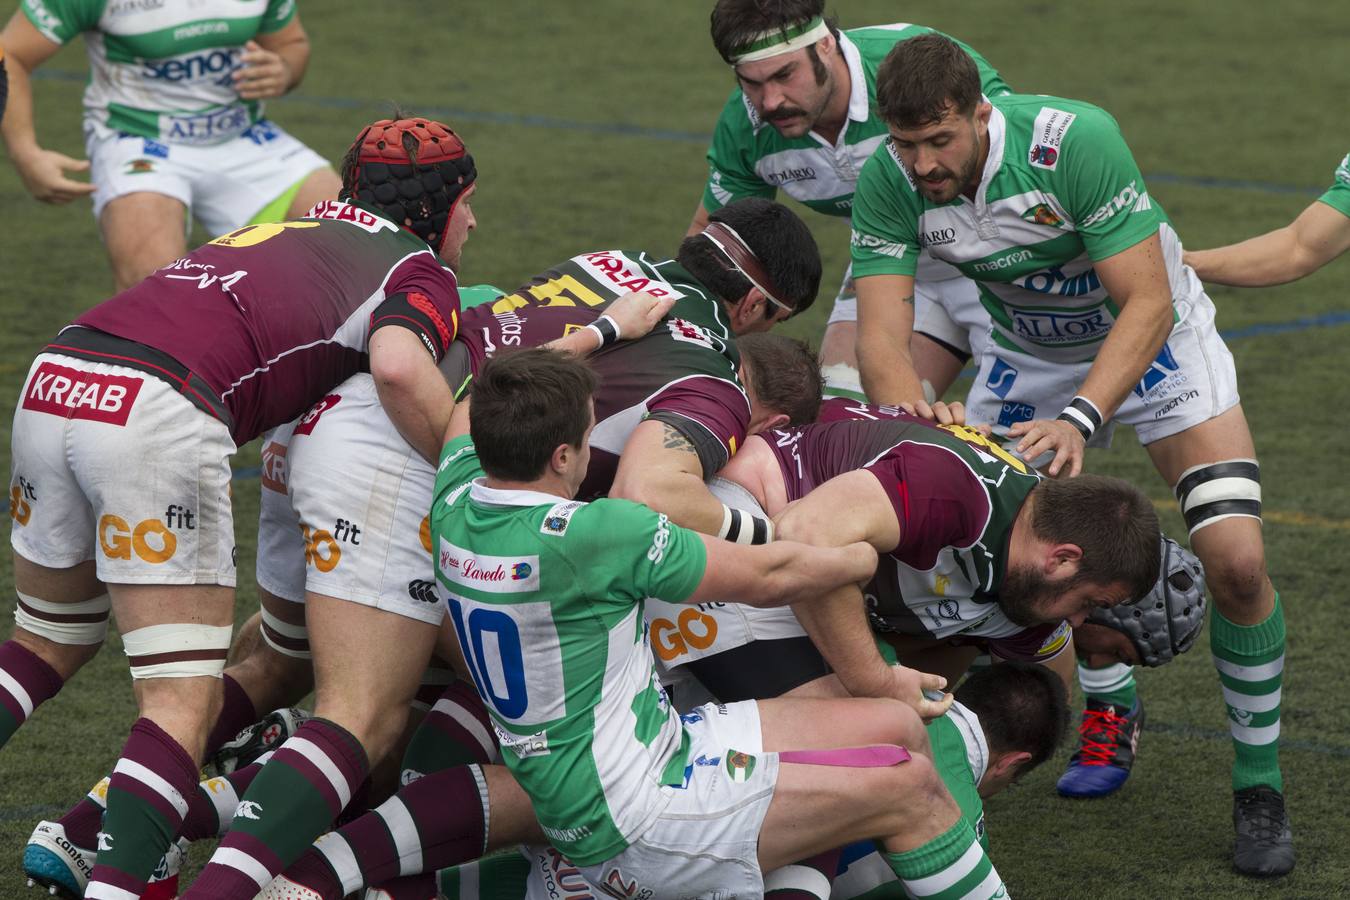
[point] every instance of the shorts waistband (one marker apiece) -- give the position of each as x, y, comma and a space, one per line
99, 346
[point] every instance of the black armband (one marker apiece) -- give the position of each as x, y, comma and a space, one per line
415, 312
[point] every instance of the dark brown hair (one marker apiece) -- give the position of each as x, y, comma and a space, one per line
784, 374
1110, 519
921, 77
736, 23
1022, 707
524, 405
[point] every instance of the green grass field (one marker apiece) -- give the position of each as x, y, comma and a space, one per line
589, 122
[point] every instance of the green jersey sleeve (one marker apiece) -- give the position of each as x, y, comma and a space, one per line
62, 20
627, 552
886, 207
279, 14
1338, 195
731, 158
1097, 178
459, 465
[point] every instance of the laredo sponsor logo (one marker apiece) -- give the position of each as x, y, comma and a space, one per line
1175, 402
1011, 413
1128, 198
1001, 378
1060, 328
560, 877
619, 270
937, 237
524, 746
559, 518
689, 333
72, 394
876, 245
1047, 135
492, 574
1054, 281
1003, 262
566, 835
1056, 641
1040, 214
788, 175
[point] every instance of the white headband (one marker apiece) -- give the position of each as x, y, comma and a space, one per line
782, 40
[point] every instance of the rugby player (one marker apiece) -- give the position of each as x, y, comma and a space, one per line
815, 86
1095, 314
974, 544
610, 771
173, 120
1317, 236
239, 336
360, 492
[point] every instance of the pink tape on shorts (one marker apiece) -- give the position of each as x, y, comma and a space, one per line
871, 757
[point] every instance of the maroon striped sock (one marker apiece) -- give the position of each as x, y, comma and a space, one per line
26, 682
438, 819
212, 805
146, 802
456, 731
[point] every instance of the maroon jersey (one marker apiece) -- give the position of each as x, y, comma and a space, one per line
270, 317
683, 373
955, 495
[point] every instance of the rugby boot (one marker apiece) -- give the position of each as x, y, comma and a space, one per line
1108, 738
1265, 843
268, 733
53, 861
282, 888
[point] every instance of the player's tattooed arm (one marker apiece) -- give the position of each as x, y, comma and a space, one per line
661, 467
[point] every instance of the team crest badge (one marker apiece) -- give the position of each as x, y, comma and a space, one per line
1043, 215
740, 766
140, 167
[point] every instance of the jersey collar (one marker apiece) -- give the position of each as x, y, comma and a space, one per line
490, 496
972, 735
858, 106
993, 163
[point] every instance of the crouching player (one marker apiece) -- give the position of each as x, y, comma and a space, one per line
551, 622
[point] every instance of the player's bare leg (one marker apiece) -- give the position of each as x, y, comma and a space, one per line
1212, 467
142, 231
321, 184
839, 345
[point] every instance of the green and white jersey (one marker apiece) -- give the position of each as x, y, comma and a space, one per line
749, 158
1338, 195
162, 69
1059, 190
961, 755
547, 597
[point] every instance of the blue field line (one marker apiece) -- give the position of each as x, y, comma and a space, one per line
627, 129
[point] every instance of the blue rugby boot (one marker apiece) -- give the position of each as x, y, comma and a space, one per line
1108, 738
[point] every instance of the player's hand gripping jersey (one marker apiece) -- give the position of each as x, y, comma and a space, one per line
163, 70
1059, 190
269, 317
683, 373
749, 158
558, 652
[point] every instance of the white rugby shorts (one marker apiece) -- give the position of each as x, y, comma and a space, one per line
224, 185
362, 498
114, 465
1192, 380
946, 308
281, 545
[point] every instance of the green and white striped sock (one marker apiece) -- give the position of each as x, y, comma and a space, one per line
1112, 684
1250, 660
952, 866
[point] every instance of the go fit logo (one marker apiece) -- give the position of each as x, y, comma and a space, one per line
150, 540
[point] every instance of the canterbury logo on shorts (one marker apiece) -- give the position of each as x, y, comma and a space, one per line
70, 393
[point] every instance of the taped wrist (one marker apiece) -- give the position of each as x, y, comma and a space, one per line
741, 527
606, 329
1084, 415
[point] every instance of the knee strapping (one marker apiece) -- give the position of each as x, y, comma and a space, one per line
178, 650
285, 638
1220, 490
75, 624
